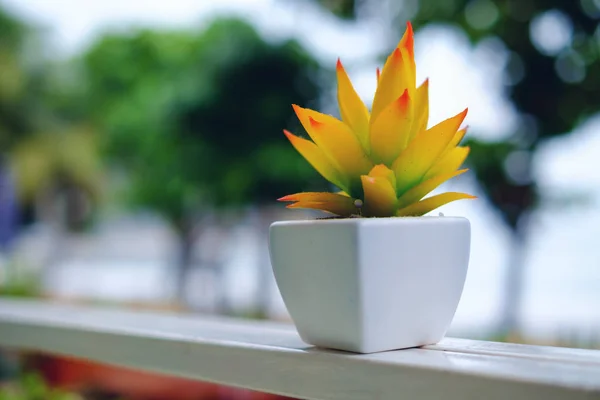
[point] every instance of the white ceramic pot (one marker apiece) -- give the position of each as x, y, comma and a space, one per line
371, 284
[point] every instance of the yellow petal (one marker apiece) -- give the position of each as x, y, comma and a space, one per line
448, 162
423, 151
316, 158
421, 109
304, 115
337, 140
339, 144
390, 132
380, 197
431, 203
382, 171
392, 83
410, 72
421, 190
406, 46
398, 75
321, 197
458, 136
330, 202
354, 112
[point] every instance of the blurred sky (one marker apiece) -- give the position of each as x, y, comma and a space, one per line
563, 275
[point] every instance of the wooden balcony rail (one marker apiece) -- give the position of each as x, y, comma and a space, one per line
270, 357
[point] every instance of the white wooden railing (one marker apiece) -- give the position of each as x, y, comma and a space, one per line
270, 357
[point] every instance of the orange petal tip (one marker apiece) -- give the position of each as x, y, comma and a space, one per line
288, 134
339, 65
461, 115
408, 42
410, 33
314, 123
289, 197
403, 100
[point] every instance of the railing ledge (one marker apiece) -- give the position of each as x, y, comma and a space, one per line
270, 357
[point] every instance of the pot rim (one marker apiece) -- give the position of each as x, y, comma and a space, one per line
372, 221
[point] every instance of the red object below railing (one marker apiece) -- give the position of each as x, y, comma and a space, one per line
80, 375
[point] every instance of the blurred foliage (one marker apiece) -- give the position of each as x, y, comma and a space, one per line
13, 121
69, 155
342, 8
20, 289
17, 280
196, 117
31, 386
553, 91
48, 149
21, 82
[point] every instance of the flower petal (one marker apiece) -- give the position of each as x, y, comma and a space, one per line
316, 158
406, 46
421, 190
354, 112
407, 42
338, 143
304, 115
431, 203
382, 171
423, 151
392, 83
421, 109
380, 197
411, 71
330, 202
337, 140
458, 136
323, 197
448, 162
390, 132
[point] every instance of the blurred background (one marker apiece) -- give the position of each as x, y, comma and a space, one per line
141, 156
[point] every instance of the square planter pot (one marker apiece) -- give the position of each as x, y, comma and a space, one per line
371, 284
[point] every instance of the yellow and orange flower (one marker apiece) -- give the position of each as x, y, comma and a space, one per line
385, 162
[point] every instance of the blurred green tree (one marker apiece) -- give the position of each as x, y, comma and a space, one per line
46, 153
554, 87
13, 80
23, 80
195, 118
